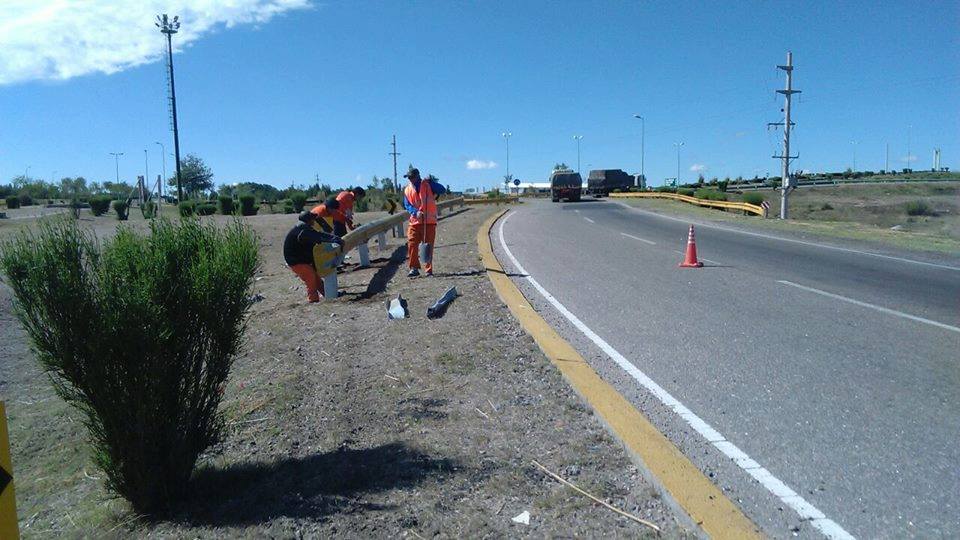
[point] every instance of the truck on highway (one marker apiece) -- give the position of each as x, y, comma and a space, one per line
601, 182
565, 184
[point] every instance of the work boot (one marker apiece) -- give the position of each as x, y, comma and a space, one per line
414, 272
429, 273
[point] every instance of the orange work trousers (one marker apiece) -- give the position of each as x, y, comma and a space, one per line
308, 274
414, 237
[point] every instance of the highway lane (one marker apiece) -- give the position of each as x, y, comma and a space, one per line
853, 407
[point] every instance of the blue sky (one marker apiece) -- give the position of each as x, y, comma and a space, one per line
288, 92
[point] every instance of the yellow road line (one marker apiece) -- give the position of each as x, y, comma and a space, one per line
691, 489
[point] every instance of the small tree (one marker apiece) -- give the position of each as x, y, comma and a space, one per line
139, 335
299, 199
226, 205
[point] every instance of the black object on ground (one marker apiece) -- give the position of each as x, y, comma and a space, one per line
440, 307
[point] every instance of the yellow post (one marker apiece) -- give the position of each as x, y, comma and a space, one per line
8, 502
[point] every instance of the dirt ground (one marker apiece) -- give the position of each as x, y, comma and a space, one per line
342, 423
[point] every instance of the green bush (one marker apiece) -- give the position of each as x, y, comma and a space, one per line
288, 206
139, 335
826, 206
919, 208
26, 200
618, 190
206, 209
149, 210
226, 205
686, 191
13, 202
722, 185
753, 198
710, 195
248, 205
187, 208
299, 199
666, 189
122, 208
99, 205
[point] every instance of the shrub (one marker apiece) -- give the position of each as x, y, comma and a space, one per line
826, 206
99, 205
26, 200
666, 189
122, 208
13, 202
206, 209
288, 206
226, 205
299, 199
139, 335
686, 191
149, 210
248, 205
710, 195
722, 185
753, 198
919, 208
618, 190
187, 208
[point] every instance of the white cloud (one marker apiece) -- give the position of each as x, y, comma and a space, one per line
478, 164
60, 39
698, 167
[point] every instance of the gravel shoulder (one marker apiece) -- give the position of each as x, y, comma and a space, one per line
341, 423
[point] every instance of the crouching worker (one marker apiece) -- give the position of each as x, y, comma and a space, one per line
344, 221
298, 252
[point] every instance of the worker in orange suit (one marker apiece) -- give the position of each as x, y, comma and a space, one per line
298, 252
346, 199
327, 213
420, 200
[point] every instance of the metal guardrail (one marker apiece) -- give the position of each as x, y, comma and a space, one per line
359, 237
836, 182
725, 205
487, 200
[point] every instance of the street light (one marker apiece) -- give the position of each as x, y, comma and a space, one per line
116, 159
506, 136
678, 145
643, 129
26, 172
854, 143
578, 138
170, 27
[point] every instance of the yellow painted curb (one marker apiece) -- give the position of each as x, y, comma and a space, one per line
695, 493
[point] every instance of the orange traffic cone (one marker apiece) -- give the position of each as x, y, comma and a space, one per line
690, 260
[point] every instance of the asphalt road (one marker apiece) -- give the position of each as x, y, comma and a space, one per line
835, 373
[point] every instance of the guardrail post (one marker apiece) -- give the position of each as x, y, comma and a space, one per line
381, 241
439, 211
364, 253
330, 290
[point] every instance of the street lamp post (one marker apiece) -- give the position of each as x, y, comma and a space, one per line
578, 138
643, 129
26, 172
506, 137
854, 143
170, 27
678, 145
116, 160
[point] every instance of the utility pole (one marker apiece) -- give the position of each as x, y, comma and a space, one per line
854, 143
909, 129
396, 185
786, 184
506, 136
886, 163
146, 174
578, 138
643, 129
116, 159
170, 27
163, 162
678, 145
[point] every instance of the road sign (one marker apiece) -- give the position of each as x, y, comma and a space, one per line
516, 181
8, 503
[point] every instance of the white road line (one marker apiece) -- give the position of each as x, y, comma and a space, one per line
783, 239
590, 220
871, 306
638, 238
787, 496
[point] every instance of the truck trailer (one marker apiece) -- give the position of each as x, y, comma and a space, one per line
602, 182
565, 185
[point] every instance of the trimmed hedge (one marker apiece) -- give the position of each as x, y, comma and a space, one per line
206, 209
13, 202
26, 200
753, 198
122, 208
226, 205
686, 191
710, 195
99, 205
187, 208
248, 205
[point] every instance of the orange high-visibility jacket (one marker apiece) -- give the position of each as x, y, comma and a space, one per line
326, 215
346, 198
424, 200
